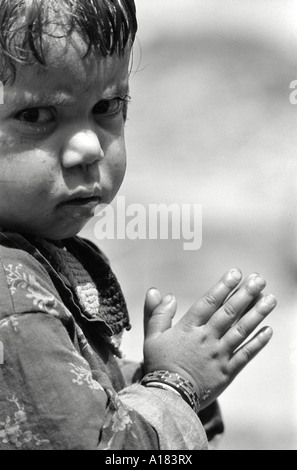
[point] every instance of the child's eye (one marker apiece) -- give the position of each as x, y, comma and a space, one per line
36, 116
112, 107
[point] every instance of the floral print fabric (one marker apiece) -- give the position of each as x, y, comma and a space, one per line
58, 390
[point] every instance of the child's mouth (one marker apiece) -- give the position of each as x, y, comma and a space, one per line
81, 208
84, 201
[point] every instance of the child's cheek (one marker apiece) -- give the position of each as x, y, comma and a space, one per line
7, 140
26, 167
15, 142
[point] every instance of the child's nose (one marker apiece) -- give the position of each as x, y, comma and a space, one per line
83, 148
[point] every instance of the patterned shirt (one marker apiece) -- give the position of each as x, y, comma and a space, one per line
61, 387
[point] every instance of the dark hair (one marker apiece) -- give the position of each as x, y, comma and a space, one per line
106, 26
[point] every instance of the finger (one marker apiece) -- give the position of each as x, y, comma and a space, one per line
244, 281
242, 329
242, 284
160, 319
249, 350
152, 300
201, 311
232, 310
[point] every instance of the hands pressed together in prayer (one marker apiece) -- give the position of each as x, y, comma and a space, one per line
208, 346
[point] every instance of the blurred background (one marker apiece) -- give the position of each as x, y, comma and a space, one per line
211, 123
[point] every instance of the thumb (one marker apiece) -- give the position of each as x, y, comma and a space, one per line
158, 312
152, 300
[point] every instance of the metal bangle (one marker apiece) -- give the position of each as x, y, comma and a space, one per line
174, 381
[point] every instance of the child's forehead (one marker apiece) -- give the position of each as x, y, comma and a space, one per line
72, 56
69, 68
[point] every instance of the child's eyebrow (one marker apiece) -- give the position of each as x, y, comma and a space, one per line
60, 98
119, 90
123, 89
30, 101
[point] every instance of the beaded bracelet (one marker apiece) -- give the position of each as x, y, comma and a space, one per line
170, 380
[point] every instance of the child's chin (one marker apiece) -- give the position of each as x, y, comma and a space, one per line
68, 232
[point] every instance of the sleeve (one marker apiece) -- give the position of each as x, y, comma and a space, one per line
178, 427
210, 417
49, 399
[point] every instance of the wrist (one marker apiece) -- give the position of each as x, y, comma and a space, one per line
173, 382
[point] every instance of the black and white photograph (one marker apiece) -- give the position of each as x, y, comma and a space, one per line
148, 227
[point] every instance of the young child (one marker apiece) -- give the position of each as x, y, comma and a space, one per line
65, 69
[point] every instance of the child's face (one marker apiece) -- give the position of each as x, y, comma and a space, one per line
62, 149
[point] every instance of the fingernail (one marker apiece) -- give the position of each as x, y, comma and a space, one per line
252, 276
168, 298
259, 281
267, 332
236, 274
152, 290
270, 300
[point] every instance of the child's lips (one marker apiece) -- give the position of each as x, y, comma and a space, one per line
80, 208
83, 201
